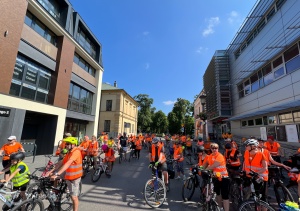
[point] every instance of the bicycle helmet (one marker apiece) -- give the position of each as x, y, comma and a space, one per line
71, 140
228, 146
104, 147
17, 156
155, 140
200, 149
251, 142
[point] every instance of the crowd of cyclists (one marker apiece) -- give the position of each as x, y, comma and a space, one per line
255, 155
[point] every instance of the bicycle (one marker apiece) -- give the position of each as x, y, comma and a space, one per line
236, 192
87, 162
282, 194
58, 197
254, 203
292, 186
102, 167
122, 154
14, 201
132, 153
155, 190
190, 184
208, 195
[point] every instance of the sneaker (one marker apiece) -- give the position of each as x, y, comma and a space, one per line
178, 177
184, 178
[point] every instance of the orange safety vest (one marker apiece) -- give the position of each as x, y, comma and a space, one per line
201, 161
272, 148
159, 150
177, 152
138, 144
266, 154
232, 161
75, 169
93, 148
110, 155
222, 167
255, 165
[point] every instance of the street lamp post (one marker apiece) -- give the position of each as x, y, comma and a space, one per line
203, 102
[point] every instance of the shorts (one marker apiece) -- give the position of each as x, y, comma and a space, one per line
73, 186
124, 149
222, 187
5, 164
21, 188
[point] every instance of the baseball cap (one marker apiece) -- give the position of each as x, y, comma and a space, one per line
12, 138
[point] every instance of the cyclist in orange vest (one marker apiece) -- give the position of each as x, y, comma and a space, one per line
232, 157
138, 144
157, 157
255, 160
217, 163
202, 157
109, 157
71, 166
273, 147
84, 146
93, 150
178, 155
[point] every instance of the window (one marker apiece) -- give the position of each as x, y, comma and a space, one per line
270, 14
244, 123
258, 121
285, 118
106, 125
279, 72
108, 105
30, 80
265, 120
251, 122
254, 82
296, 115
84, 65
52, 7
247, 88
40, 28
271, 120
80, 99
86, 43
293, 64
241, 90
268, 77
291, 53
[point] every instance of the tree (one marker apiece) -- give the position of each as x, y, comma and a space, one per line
159, 122
173, 123
144, 114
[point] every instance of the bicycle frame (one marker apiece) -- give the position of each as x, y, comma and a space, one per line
14, 195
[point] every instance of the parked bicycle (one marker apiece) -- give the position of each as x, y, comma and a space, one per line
13, 201
102, 167
254, 203
208, 197
282, 194
191, 183
155, 190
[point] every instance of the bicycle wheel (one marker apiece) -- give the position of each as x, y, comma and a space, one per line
30, 204
85, 168
235, 195
155, 193
33, 189
188, 189
255, 206
282, 194
97, 174
210, 206
293, 189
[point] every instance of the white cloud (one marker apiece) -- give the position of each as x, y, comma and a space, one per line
169, 102
234, 18
201, 50
212, 22
147, 66
145, 33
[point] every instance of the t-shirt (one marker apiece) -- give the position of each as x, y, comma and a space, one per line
9, 149
75, 156
123, 141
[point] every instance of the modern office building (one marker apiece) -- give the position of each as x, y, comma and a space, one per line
51, 73
118, 111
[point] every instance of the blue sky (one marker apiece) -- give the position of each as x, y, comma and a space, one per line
161, 47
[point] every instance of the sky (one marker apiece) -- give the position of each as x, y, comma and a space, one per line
161, 47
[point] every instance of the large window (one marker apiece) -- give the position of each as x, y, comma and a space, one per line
84, 65
80, 100
52, 7
30, 80
86, 42
106, 125
108, 105
285, 118
40, 28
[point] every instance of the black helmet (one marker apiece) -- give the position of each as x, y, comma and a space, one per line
228, 146
17, 156
200, 149
155, 140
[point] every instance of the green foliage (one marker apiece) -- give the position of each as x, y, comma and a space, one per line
144, 114
202, 116
159, 122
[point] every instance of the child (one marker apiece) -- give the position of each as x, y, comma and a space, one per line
109, 156
19, 173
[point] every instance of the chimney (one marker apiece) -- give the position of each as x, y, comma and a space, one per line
115, 84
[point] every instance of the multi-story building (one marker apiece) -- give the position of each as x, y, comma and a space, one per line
118, 111
198, 124
264, 60
51, 73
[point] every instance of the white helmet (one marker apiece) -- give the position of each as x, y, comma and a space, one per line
251, 142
